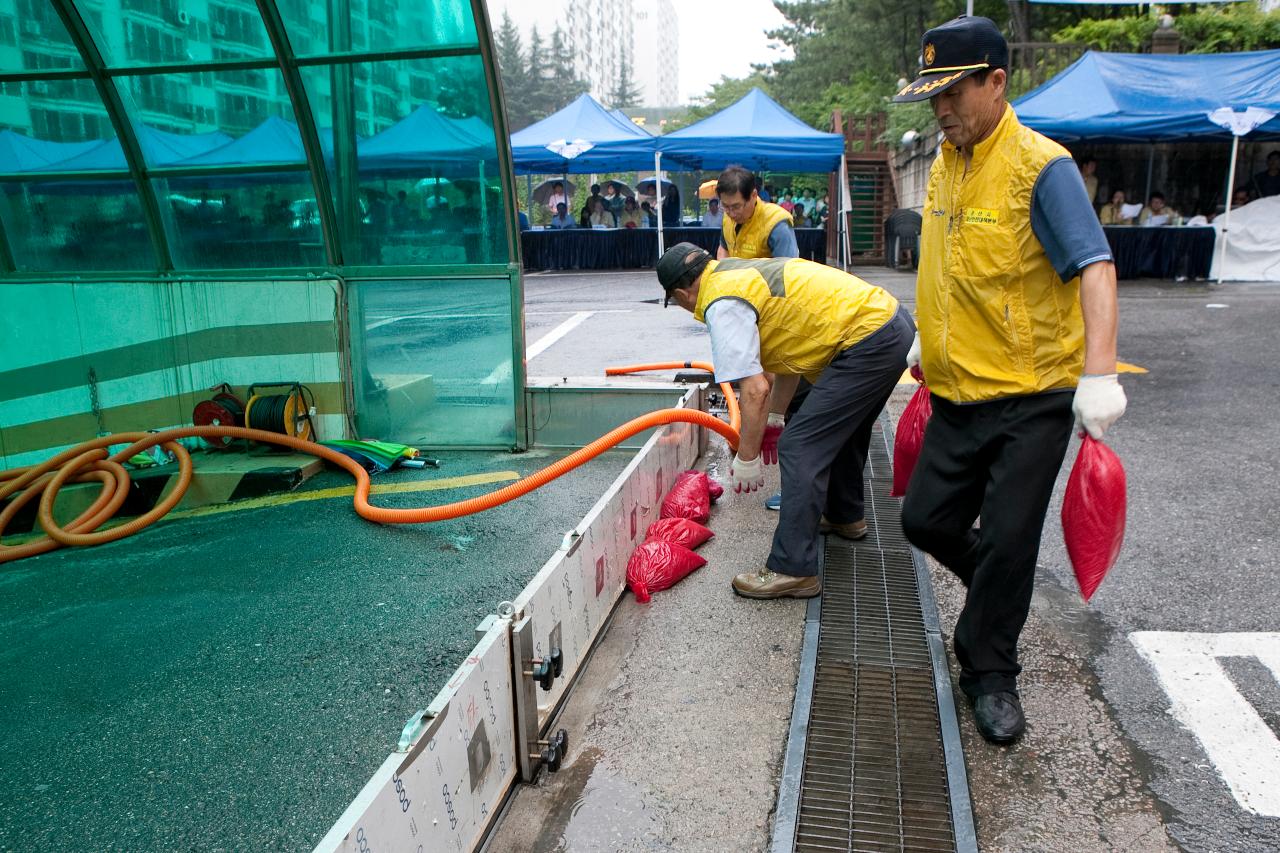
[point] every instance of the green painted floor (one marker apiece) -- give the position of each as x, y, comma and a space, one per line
230, 682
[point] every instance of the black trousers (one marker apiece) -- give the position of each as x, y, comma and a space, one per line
996, 463
824, 447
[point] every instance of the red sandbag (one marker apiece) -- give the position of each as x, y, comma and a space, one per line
1093, 512
909, 438
690, 497
658, 565
684, 532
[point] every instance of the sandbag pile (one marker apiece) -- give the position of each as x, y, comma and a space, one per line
666, 555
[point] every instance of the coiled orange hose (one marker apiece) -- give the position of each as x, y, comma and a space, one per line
90, 462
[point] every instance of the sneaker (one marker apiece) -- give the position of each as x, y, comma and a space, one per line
999, 716
767, 584
852, 530
774, 502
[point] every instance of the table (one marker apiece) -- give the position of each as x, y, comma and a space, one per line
1162, 252
631, 248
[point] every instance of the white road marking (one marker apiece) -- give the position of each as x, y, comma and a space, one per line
428, 315
541, 345
1243, 749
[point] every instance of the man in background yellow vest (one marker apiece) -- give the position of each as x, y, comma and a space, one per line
754, 228
1016, 303
790, 318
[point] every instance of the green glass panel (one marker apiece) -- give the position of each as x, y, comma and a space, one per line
319, 28
235, 103
32, 38
425, 174
50, 122
432, 361
75, 226
161, 32
252, 220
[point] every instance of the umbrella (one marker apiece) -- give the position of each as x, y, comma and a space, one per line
623, 189
543, 191
646, 186
570, 148
707, 189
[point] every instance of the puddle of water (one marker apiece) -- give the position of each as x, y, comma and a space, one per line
599, 810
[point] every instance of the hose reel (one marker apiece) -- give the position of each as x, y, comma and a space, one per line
287, 414
225, 409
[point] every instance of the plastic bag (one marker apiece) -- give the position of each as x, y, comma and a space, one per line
1093, 513
658, 565
909, 438
690, 497
684, 532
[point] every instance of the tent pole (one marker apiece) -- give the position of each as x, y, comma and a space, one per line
846, 208
1151, 165
528, 198
657, 183
484, 204
1226, 220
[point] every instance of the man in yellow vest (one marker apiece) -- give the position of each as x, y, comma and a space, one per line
791, 317
754, 228
1016, 304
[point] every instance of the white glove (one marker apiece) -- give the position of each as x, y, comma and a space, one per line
913, 354
1099, 402
746, 475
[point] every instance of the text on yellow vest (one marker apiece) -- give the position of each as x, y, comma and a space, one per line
807, 312
752, 240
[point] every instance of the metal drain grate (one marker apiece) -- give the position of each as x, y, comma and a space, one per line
874, 771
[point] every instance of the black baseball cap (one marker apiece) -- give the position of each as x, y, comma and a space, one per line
954, 51
679, 266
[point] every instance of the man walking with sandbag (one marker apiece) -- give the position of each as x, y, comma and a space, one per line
1016, 303
791, 318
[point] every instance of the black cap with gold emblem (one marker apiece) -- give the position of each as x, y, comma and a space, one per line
954, 51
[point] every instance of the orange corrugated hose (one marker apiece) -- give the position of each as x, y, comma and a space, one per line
735, 415
90, 462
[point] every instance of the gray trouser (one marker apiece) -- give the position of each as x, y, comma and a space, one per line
824, 446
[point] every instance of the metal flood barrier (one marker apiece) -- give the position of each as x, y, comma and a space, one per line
874, 760
489, 726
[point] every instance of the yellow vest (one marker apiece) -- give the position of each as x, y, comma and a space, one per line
995, 320
753, 240
807, 312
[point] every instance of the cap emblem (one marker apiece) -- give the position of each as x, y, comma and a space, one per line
930, 53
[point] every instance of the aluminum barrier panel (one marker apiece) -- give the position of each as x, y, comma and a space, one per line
457, 760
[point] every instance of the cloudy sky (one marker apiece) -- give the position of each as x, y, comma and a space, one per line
723, 37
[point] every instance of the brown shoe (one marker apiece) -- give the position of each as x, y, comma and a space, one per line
767, 584
853, 530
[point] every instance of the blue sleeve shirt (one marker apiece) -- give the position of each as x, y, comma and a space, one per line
1064, 222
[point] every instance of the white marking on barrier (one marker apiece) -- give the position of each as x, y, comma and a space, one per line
1241, 746
543, 343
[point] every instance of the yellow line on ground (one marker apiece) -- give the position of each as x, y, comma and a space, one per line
1125, 367
348, 491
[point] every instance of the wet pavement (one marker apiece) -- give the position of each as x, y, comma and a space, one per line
231, 681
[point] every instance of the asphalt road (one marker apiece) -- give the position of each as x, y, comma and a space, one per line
1201, 559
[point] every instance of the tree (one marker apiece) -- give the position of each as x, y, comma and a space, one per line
627, 93
539, 97
515, 74
563, 84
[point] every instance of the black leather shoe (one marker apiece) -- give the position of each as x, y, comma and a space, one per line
999, 716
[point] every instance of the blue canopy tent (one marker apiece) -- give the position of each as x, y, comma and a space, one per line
756, 132
20, 153
1125, 97
159, 148
273, 142
1130, 97
582, 138
426, 142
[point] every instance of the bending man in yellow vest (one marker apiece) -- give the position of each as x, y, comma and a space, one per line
1016, 299
791, 318
757, 229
